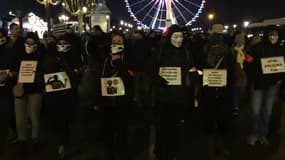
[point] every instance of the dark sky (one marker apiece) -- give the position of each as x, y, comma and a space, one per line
227, 11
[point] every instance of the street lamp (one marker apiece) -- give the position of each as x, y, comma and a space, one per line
63, 18
211, 17
245, 24
47, 4
108, 23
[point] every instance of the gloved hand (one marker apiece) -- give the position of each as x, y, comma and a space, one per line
160, 80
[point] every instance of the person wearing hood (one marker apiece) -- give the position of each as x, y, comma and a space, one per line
28, 92
62, 74
216, 94
266, 73
116, 100
6, 94
173, 67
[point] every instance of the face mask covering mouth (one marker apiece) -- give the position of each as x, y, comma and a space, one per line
177, 39
116, 48
3, 40
63, 48
273, 39
30, 48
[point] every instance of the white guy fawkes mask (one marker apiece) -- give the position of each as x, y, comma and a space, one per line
30, 48
117, 48
273, 38
3, 40
63, 48
177, 39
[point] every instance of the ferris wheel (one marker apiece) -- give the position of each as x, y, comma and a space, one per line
156, 14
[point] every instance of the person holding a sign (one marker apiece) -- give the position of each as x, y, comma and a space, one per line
173, 68
116, 100
265, 71
61, 75
28, 100
6, 94
217, 81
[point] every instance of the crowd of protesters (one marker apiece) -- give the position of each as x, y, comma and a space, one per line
160, 71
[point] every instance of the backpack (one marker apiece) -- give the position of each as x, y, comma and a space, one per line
215, 54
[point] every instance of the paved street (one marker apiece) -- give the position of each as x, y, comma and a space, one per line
86, 138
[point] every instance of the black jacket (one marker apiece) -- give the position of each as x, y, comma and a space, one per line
171, 56
117, 68
254, 70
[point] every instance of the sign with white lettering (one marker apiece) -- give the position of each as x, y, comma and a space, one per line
273, 65
171, 74
27, 72
215, 77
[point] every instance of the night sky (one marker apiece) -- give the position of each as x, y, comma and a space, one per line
227, 11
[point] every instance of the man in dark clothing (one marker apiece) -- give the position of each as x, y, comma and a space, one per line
216, 97
6, 95
173, 65
265, 83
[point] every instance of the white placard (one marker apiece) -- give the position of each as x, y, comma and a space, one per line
171, 74
215, 77
3, 77
273, 65
27, 71
112, 86
56, 82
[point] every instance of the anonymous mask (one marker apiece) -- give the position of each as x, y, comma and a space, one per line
30, 48
177, 39
63, 48
273, 37
3, 40
117, 48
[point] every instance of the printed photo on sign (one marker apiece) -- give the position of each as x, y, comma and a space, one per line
27, 72
3, 77
57, 82
171, 74
273, 65
112, 86
215, 77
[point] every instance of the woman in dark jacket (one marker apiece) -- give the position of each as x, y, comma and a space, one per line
116, 100
62, 72
174, 94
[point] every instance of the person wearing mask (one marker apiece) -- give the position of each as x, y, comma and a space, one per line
116, 101
265, 83
173, 66
63, 69
28, 93
6, 94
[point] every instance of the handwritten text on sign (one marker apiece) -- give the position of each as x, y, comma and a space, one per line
27, 72
171, 74
215, 77
273, 65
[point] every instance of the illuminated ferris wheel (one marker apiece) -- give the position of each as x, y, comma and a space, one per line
162, 13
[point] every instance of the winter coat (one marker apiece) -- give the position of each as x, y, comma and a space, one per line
254, 70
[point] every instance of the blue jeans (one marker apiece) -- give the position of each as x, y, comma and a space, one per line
262, 102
